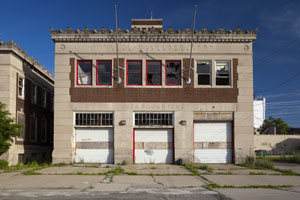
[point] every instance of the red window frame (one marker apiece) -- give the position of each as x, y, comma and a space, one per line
166, 72
153, 73
141, 73
110, 61
84, 61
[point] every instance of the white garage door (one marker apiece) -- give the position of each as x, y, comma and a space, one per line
153, 146
212, 142
94, 145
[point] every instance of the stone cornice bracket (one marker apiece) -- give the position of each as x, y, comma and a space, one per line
153, 35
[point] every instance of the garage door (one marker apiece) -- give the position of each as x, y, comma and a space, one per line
94, 145
212, 142
153, 146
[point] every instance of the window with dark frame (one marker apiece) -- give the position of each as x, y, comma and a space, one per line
173, 73
104, 72
94, 119
21, 120
153, 72
44, 130
223, 73
203, 73
134, 72
84, 72
153, 119
44, 98
33, 94
21, 87
33, 127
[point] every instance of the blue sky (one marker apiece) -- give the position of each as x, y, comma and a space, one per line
276, 50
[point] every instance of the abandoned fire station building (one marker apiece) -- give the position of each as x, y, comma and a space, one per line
27, 90
150, 105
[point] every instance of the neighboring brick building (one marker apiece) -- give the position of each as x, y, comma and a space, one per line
27, 90
153, 115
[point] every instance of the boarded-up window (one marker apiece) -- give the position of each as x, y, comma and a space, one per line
84, 73
152, 119
94, 119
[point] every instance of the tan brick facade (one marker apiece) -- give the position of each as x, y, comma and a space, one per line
185, 101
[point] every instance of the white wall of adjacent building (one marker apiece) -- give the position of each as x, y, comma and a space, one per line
259, 111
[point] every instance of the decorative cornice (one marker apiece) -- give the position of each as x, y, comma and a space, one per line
153, 35
11, 46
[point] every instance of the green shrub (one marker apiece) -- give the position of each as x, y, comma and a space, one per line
263, 165
3, 164
248, 162
205, 167
124, 162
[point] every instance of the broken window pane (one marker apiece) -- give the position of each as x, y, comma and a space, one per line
223, 73
85, 72
173, 70
153, 73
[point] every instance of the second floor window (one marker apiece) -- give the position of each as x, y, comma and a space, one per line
173, 73
153, 72
104, 74
33, 94
33, 128
203, 73
223, 73
134, 72
44, 98
21, 87
84, 72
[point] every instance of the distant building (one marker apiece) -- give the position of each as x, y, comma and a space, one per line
259, 112
153, 115
27, 90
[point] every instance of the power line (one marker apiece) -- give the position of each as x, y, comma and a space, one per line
281, 84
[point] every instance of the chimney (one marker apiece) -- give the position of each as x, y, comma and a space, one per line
146, 24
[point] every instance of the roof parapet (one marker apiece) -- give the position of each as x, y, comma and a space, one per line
153, 35
24, 55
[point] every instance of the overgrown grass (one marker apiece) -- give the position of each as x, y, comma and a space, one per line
118, 170
194, 169
251, 163
3, 164
257, 173
34, 165
205, 167
214, 185
289, 159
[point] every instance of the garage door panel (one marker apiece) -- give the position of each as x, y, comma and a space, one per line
94, 156
153, 156
213, 156
212, 132
94, 145
95, 135
212, 142
153, 135
153, 146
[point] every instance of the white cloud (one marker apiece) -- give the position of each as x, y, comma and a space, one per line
285, 20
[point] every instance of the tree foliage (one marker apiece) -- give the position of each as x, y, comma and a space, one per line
272, 122
8, 129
